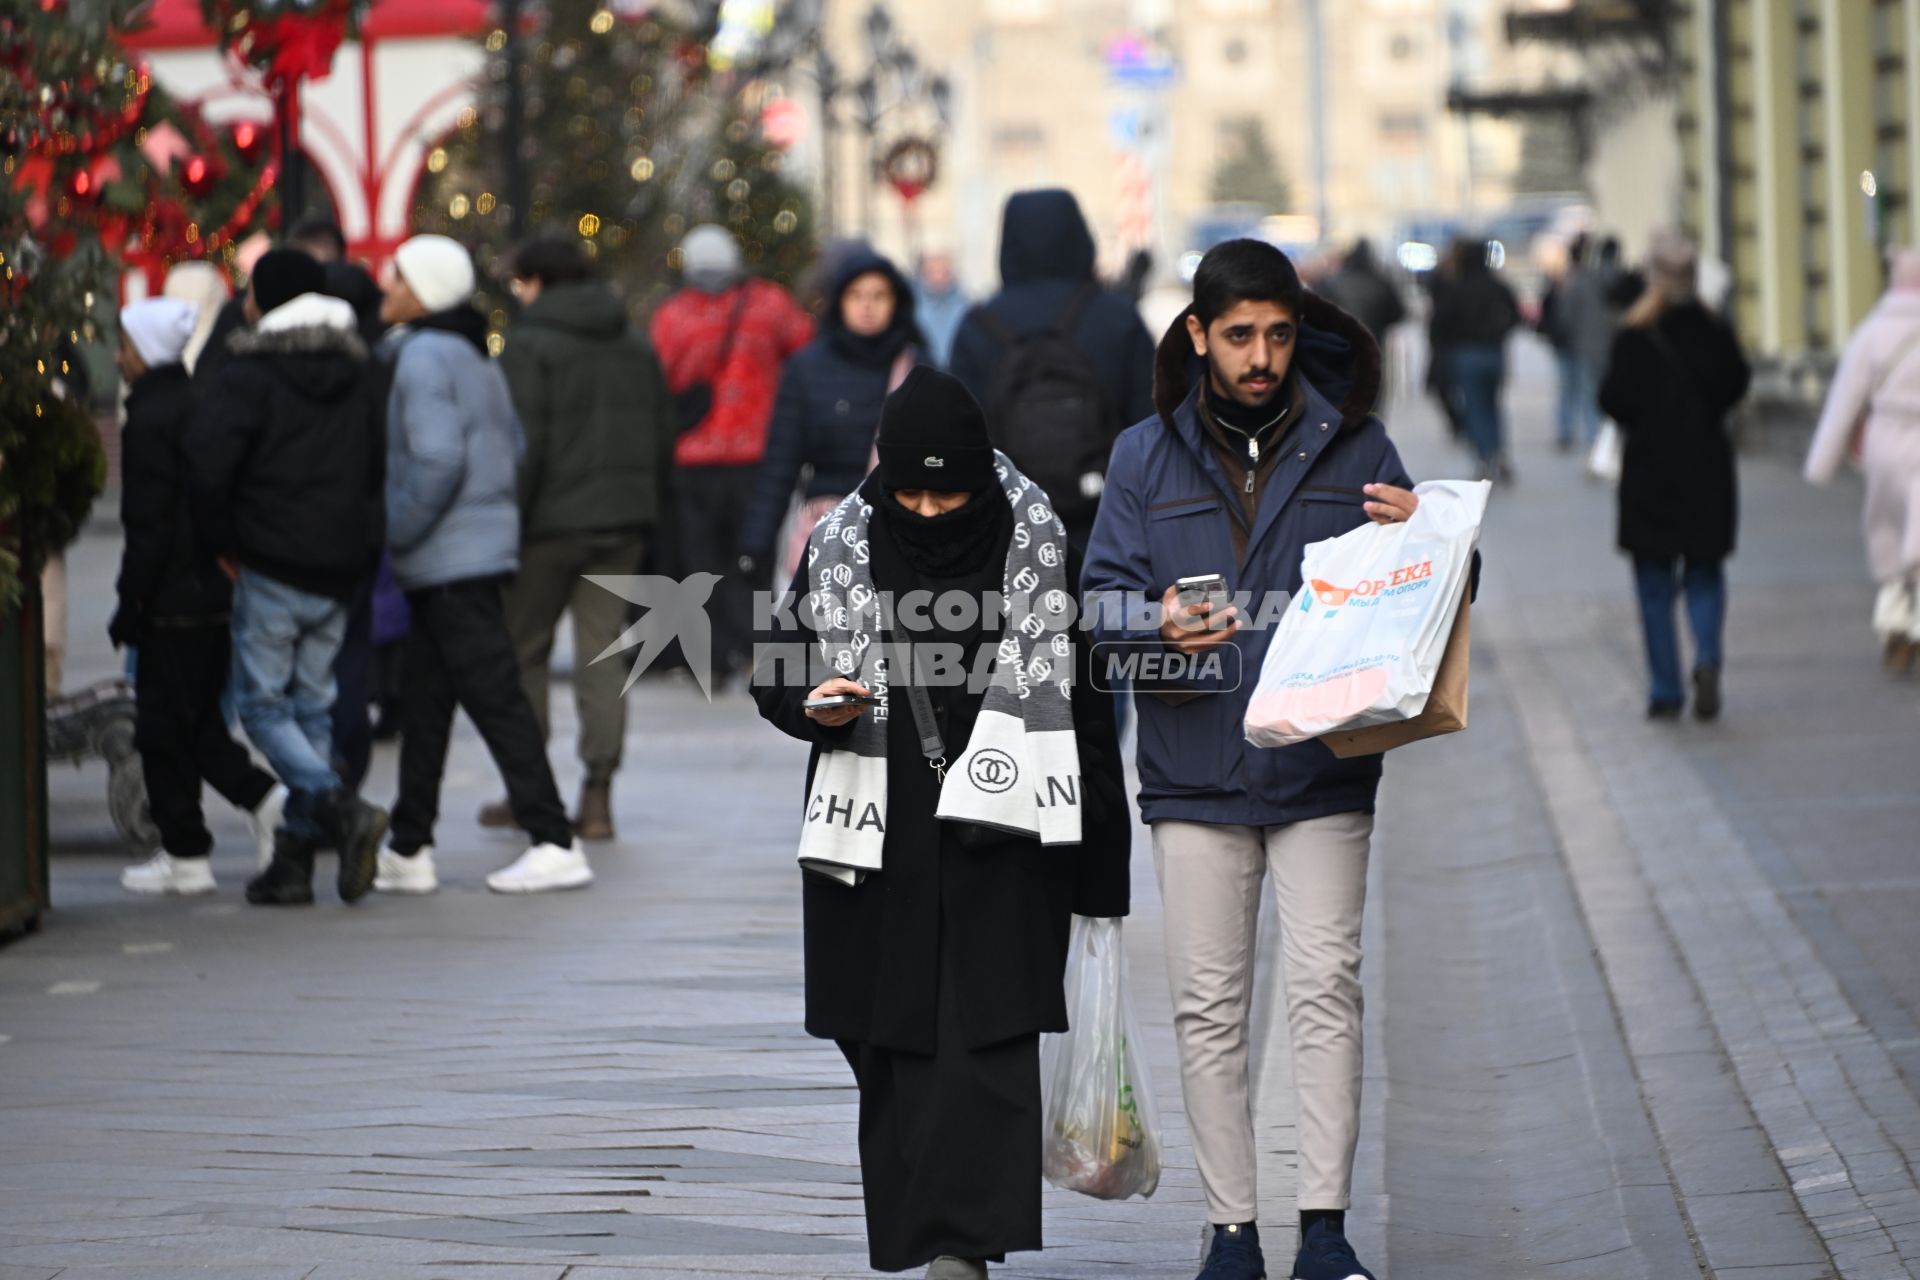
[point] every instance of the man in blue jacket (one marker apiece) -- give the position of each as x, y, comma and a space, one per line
1264, 441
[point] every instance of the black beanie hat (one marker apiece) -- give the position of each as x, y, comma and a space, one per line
933, 435
282, 275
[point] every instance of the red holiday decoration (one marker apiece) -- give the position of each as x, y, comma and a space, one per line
910, 167
199, 174
250, 140
287, 46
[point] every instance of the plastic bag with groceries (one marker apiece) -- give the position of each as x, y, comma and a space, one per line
1102, 1134
1362, 642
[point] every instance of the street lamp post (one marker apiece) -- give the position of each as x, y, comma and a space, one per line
893, 79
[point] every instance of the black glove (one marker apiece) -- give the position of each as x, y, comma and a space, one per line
124, 629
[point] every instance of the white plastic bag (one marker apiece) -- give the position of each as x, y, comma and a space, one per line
1102, 1134
1603, 460
1363, 640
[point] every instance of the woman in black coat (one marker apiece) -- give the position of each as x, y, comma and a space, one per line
828, 406
1676, 372
937, 973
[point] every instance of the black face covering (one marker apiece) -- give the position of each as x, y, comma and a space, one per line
955, 544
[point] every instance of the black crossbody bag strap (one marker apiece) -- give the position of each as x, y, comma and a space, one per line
926, 726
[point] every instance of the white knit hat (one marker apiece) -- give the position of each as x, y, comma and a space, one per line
438, 270
710, 259
159, 329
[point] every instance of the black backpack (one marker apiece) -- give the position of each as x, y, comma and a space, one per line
1048, 410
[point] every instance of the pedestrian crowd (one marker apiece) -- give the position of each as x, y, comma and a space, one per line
347, 519
352, 511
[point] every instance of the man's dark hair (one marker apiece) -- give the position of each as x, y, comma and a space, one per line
1245, 271
316, 228
552, 260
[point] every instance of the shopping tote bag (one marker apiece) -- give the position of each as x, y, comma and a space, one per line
1362, 643
1445, 712
1101, 1132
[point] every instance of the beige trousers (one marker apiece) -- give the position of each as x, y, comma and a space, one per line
1210, 880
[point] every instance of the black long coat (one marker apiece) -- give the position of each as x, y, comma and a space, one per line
1670, 388
165, 575
872, 950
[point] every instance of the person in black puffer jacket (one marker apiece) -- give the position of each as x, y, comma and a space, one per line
287, 470
174, 604
828, 407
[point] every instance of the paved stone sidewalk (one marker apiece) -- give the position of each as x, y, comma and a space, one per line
1640, 998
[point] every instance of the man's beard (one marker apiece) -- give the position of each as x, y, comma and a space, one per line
1237, 390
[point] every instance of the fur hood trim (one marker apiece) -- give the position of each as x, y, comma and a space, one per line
1334, 352
311, 324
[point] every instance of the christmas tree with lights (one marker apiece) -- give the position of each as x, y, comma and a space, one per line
640, 122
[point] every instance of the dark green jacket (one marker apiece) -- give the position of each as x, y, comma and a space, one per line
596, 413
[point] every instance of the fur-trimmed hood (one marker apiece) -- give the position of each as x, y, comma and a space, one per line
312, 342
1334, 353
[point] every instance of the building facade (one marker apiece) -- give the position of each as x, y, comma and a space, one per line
1135, 104
1800, 129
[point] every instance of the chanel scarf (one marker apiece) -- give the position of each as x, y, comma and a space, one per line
1020, 769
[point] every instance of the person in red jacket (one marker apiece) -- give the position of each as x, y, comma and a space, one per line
722, 340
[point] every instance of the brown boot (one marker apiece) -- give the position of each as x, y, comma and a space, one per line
497, 815
1901, 654
594, 821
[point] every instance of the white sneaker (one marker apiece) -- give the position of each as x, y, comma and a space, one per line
266, 820
542, 868
406, 875
164, 873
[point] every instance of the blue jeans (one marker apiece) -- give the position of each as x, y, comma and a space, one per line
1579, 416
1477, 373
1658, 582
284, 645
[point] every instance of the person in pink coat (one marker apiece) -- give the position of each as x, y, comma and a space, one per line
1873, 413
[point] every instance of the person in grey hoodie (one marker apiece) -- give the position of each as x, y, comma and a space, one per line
453, 530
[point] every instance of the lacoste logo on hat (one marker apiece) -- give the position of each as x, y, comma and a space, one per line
934, 462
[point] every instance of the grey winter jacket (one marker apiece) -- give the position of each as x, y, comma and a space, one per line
453, 448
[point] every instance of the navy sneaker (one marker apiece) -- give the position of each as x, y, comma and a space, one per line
1326, 1255
1235, 1254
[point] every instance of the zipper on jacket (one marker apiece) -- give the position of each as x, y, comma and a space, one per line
1249, 480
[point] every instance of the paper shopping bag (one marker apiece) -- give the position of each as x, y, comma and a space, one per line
1446, 710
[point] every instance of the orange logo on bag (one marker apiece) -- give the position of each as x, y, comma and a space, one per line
1333, 597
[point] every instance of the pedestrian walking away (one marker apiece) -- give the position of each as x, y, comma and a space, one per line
1873, 414
828, 409
937, 902
286, 478
1675, 373
1060, 363
723, 340
1365, 292
175, 607
594, 408
1473, 316
1263, 441
1586, 318
453, 447
940, 306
